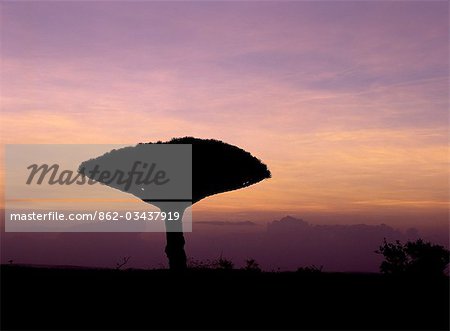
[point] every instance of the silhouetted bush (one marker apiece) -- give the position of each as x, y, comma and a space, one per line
312, 269
223, 263
414, 257
220, 263
123, 262
200, 264
252, 265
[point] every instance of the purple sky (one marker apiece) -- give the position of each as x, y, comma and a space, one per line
346, 101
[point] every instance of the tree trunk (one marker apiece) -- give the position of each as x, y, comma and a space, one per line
175, 251
175, 244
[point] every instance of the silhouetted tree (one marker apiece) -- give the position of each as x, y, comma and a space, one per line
416, 257
217, 167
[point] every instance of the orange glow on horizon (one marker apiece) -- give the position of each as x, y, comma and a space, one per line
350, 116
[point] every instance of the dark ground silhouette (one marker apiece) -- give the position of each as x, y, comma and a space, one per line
40, 298
288, 243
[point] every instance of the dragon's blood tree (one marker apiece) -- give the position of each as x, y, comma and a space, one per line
217, 167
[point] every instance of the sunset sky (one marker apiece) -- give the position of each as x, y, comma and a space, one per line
346, 102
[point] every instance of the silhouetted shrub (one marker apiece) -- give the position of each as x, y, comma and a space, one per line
200, 264
414, 257
252, 265
123, 262
312, 269
220, 263
223, 263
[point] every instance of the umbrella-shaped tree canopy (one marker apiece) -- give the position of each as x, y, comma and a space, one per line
217, 167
